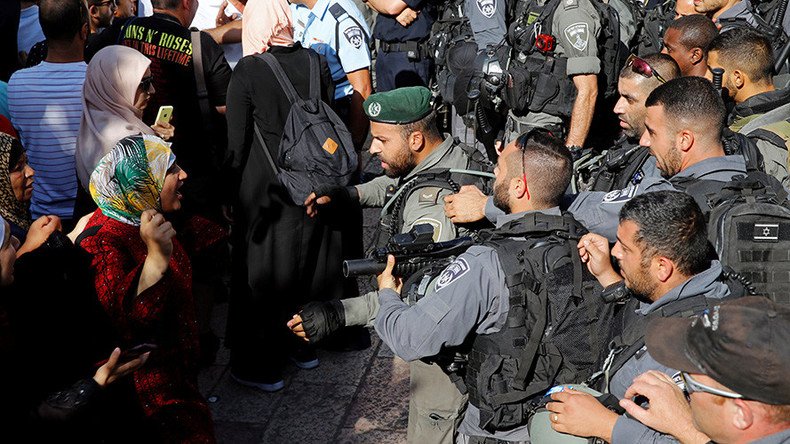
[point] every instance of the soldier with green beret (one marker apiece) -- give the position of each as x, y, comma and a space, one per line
408, 142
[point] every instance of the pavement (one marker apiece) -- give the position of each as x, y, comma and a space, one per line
351, 397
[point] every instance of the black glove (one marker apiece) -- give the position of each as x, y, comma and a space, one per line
339, 195
321, 319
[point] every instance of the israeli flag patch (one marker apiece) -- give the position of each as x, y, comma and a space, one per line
452, 273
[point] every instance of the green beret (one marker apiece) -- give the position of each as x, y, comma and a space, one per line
399, 106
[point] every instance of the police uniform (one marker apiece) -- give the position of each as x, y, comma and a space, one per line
435, 404
470, 296
403, 57
624, 165
336, 30
575, 25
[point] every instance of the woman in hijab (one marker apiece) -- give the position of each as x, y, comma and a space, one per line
16, 186
143, 278
118, 86
290, 258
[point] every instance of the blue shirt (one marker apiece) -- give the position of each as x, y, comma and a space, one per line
343, 41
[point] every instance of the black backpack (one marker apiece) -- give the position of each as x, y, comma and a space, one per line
558, 325
316, 147
749, 227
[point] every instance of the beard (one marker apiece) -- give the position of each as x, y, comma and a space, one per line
500, 197
400, 165
639, 283
670, 164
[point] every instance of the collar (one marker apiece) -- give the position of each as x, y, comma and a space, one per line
505, 218
433, 158
742, 8
166, 16
320, 8
721, 168
706, 283
761, 103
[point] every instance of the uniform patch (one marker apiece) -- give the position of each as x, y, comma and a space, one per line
429, 195
487, 7
570, 4
374, 109
354, 36
437, 226
578, 34
618, 196
452, 273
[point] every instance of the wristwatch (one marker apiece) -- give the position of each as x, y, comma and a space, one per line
616, 293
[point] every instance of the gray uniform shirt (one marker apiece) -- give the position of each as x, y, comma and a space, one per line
423, 207
627, 430
782, 437
742, 10
487, 20
469, 296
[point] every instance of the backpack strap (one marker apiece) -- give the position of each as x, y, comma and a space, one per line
777, 133
86, 233
280, 75
200, 81
314, 91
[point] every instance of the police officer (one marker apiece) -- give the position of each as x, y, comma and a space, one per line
402, 30
407, 141
472, 297
563, 58
684, 123
627, 163
337, 30
464, 32
666, 228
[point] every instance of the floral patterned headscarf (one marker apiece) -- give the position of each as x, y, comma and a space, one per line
10, 208
130, 178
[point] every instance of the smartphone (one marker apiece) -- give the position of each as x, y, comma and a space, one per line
164, 115
132, 353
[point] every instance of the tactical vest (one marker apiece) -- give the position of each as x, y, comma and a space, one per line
621, 168
776, 133
631, 326
557, 324
538, 80
650, 35
478, 172
451, 32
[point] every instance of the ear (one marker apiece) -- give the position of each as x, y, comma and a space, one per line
85, 31
416, 141
696, 55
743, 417
517, 187
684, 140
664, 268
738, 78
93, 11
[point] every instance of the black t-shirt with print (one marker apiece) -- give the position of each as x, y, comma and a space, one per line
168, 44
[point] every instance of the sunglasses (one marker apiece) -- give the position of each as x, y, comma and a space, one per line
640, 66
692, 385
146, 83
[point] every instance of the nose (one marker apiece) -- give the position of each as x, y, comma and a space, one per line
29, 171
645, 140
664, 50
619, 106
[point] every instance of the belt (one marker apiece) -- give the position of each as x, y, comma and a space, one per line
414, 49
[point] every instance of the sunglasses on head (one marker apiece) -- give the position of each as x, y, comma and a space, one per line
146, 83
692, 385
641, 67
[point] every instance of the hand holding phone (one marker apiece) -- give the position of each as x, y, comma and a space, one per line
164, 115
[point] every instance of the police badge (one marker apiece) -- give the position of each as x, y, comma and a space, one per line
487, 7
354, 36
578, 35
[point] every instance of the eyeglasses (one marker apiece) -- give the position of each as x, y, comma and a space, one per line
521, 143
146, 83
640, 66
692, 385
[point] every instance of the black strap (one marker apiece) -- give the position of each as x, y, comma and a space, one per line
86, 233
200, 81
265, 149
338, 11
281, 77
769, 136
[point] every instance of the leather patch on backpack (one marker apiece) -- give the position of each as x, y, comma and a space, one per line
330, 146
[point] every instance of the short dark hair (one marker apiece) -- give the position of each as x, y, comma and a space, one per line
665, 65
672, 225
548, 163
691, 99
165, 4
696, 31
61, 20
746, 50
426, 125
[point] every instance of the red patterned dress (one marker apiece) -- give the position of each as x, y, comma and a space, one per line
163, 314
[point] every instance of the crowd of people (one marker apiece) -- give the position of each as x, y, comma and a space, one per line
583, 236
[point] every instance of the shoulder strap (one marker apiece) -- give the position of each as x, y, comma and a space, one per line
777, 133
280, 75
315, 87
200, 79
338, 12
86, 233
259, 136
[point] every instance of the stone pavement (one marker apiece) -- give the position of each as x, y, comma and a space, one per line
352, 397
